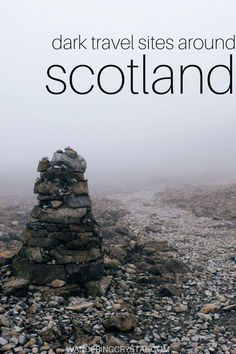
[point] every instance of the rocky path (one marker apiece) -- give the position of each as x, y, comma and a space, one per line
208, 247
199, 318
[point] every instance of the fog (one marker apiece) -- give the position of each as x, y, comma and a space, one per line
126, 139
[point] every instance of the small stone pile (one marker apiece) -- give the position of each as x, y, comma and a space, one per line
61, 242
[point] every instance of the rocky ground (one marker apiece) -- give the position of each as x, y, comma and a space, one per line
169, 287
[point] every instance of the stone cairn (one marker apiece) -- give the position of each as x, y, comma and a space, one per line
61, 242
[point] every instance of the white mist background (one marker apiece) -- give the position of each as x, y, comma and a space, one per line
124, 137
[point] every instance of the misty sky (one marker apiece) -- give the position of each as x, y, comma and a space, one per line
120, 135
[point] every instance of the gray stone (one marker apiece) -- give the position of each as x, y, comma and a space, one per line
169, 290
46, 187
83, 241
120, 229
43, 242
3, 341
71, 153
119, 253
16, 286
229, 308
7, 347
204, 316
75, 164
53, 173
64, 256
153, 228
82, 201
39, 274
36, 254
27, 234
61, 216
22, 339
4, 321
175, 346
79, 188
43, 164
62, 235
122, 322
84, 272
99, 287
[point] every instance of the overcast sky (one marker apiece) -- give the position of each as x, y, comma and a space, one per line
122, 134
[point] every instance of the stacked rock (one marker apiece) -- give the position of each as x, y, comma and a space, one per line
62, 240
